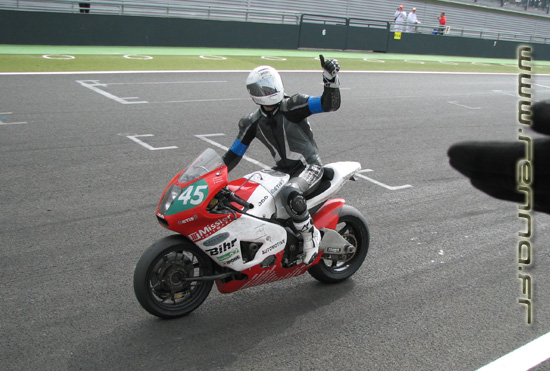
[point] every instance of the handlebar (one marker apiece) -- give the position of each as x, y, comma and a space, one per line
232, 197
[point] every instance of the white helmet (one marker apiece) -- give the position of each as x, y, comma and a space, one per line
265, 86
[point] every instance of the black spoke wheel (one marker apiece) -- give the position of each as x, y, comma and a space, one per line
353, 227
163, 278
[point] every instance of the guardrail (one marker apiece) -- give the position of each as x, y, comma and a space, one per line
168, 9
464, 32
164, 9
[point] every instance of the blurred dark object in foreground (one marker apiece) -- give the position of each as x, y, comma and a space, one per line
493, 166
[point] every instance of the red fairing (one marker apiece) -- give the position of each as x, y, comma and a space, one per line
196, 222
327, 216
258, 275
243, 191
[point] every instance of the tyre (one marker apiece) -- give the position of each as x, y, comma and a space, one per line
353, 227
161, 277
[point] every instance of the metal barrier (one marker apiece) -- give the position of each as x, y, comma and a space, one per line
169, 9
160, 9
478, 34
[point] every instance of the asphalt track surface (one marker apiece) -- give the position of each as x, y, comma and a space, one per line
439, 289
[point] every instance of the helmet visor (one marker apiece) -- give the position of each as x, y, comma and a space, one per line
264, 87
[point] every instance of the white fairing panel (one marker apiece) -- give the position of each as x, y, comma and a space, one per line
343, 171
224, 246
271, 182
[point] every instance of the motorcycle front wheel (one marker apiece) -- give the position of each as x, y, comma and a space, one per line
163, 277
353, 227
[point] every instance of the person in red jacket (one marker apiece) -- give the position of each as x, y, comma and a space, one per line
442, 22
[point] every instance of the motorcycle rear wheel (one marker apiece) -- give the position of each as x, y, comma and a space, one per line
161, 277
353, 227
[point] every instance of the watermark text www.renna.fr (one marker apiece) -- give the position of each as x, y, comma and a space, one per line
524, 182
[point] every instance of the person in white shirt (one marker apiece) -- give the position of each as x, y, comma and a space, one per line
412, 21
399, 19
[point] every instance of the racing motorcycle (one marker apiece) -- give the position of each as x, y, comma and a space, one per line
238, 235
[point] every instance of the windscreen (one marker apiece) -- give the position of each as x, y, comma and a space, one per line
206, 162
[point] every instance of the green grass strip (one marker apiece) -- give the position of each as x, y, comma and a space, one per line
39, 58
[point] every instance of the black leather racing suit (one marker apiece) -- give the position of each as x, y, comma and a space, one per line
287, 134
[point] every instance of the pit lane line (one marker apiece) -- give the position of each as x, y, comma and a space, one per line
523, 358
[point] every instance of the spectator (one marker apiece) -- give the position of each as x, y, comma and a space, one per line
399, 18
412, 19
442, 23
85, 7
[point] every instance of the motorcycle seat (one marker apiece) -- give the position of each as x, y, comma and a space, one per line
328, 175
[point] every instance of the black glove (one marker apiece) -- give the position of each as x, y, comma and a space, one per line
492, 166
330, 72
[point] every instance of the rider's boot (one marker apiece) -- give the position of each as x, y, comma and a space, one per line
311, 240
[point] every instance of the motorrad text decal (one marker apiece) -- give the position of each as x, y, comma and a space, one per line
271, 248
190, 197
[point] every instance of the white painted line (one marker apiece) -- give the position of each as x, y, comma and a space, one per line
12, 123
58, 56
163, 82
202, 100
451, 63
141, 57
149, 147
213, 57
515, 95
272, 58
204, 137
248, 71
211, 135
391, 188
93, 85
462, 105
524, 358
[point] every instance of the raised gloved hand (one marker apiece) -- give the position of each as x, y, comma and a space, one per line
330, 72
493, 166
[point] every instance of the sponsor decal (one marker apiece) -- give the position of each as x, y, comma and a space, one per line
217, 239
194, 217
232, 260
273, 247
210, 229
260, 232
262, 201
277, 186
227, 256
192, 196
222, 248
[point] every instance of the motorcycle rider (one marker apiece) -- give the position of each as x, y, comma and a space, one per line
281, 124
